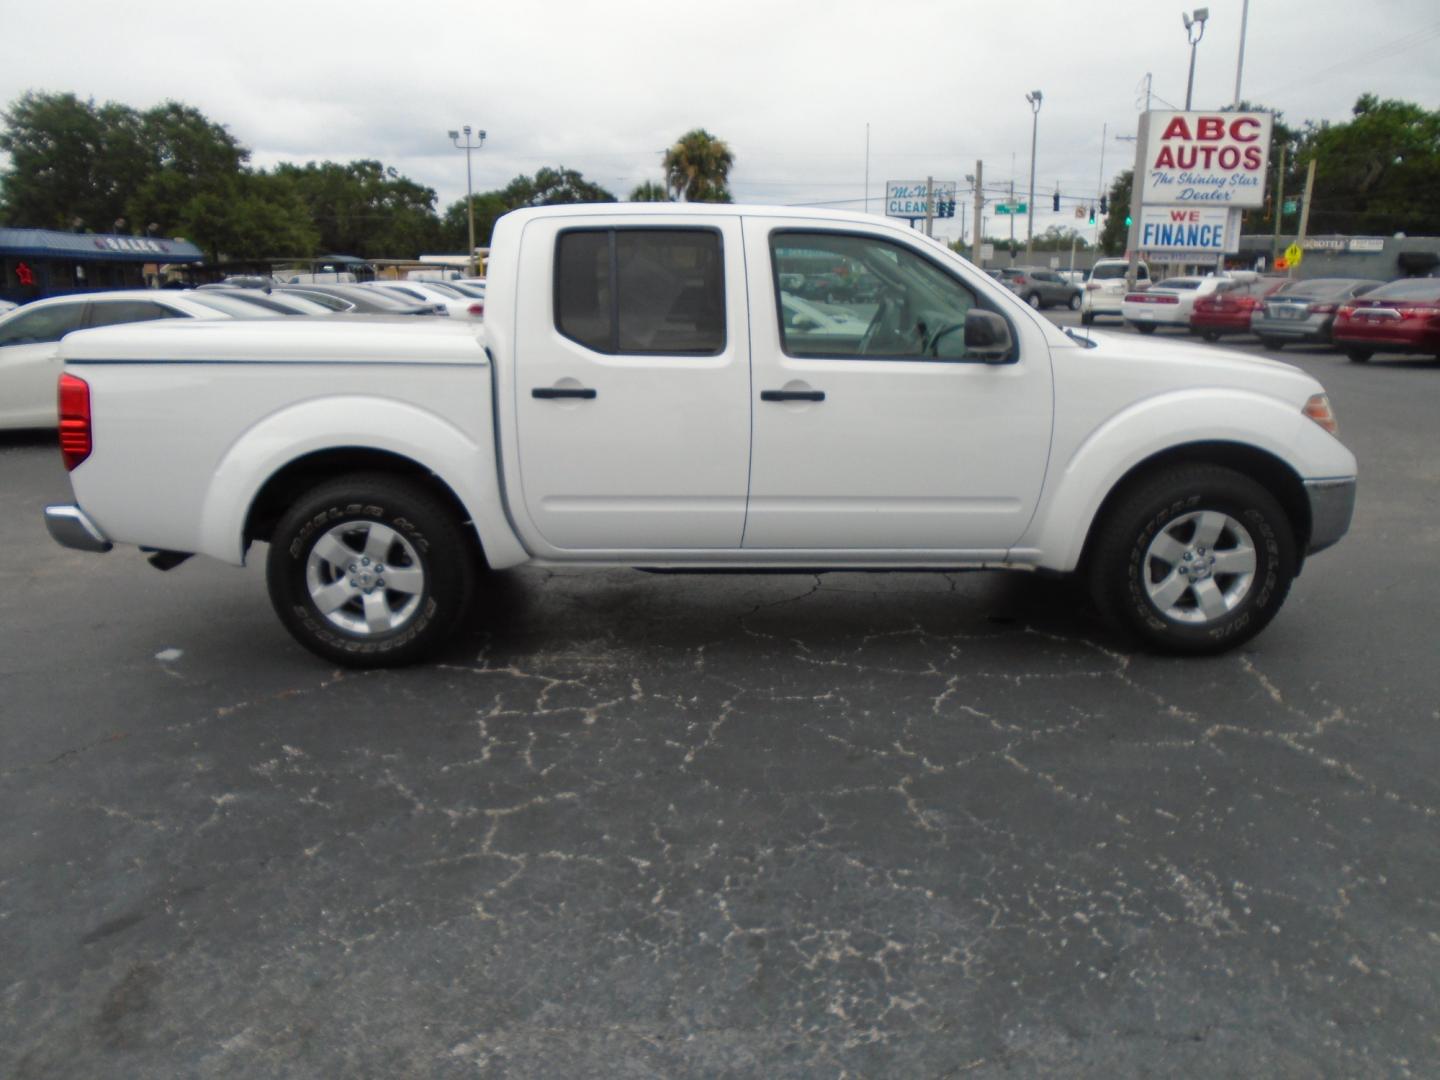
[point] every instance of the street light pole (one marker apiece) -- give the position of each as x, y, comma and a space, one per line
1034, 98
467, 146
1201, 14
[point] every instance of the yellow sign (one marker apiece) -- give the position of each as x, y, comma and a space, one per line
1293, 254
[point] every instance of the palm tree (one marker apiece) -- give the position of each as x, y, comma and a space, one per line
697, 168
650, 191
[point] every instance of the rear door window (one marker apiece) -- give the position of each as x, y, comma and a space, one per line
115, 312
641, 291
49, 323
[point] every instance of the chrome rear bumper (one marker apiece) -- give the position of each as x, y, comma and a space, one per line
70, 527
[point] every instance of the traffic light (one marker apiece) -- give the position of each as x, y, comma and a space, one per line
1102, 205
1056, 205
1127, 221
1092, 213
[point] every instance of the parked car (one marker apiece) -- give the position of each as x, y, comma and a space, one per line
1166, 303
353, 299
1402, 317
1228, 309
438, 295
668, 416
30, 342
1304, 311
275, 303
1105, 288
1041, 288
7, 305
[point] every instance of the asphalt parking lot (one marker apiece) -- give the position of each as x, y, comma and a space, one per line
638, 825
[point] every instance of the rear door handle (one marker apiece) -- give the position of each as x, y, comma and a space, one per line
792, 395
550, 393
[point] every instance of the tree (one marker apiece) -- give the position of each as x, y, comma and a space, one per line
1376, 172
455, 225
1116, 235
552, 187
72, 164
649, 191
1059, 238
255, 216
697, 168
365, 209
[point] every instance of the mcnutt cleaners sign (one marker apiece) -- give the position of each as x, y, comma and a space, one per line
1204, 159
1212, 229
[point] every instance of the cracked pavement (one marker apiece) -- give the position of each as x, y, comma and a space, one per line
651, 825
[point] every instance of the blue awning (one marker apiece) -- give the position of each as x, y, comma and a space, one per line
89, 247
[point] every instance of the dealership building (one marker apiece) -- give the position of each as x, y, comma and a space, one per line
44, 262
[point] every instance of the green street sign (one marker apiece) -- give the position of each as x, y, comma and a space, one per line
1002, 208
1006, 208
1290, 206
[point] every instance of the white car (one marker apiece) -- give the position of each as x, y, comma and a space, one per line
1166, 303
30, 342
445, 300
1105, 288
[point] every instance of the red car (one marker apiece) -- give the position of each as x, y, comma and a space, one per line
1403, 317
1227, 310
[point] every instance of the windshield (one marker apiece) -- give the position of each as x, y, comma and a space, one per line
1317, 288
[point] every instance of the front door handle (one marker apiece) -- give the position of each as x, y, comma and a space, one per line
550, 393
792, 395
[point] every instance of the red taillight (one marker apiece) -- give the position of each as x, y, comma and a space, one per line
1345, 312
75, 442
1093, 286
1019, 279
1134, 298
1320, 309
476, 309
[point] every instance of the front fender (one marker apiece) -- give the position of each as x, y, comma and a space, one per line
435, 443
1104, 456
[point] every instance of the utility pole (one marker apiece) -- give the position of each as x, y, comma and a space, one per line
1012, 213
1137, 201
1240, 63
467, 146
979, 212
1279, 205
1305, 206
867, 163
929, 206
1100, 183
1034, 98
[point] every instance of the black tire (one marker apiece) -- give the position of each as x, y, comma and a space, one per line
1359, 356
1210, 335
1074, 301
394, 520
1145, 327
1147, 530
1033, 299
1086, 318
1272, 343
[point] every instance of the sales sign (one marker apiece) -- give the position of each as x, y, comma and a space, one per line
906, 198
1204, 159
1176, 229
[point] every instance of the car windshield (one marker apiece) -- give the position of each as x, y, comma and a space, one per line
1317, 288
1180, 283
1409, 289
238, 309
1108, 273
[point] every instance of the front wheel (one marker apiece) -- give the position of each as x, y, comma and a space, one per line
1075, 302
1209, 335
1197, 559
370, 570
1034, 301
1359, 356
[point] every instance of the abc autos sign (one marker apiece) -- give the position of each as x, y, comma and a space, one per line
1205, 159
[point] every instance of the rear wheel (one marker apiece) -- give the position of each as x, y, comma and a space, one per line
1075, 302
1196, 559
1145, 327
1033, 299
1359, 356
370, 570
1210, 335
1272, 343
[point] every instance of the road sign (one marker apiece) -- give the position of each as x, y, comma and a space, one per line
1290, 206
1080, 213
987, 252
906, 198
1184, 229
1006, 208
1293, 255
1281, 264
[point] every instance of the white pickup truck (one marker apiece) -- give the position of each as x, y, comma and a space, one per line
648, 390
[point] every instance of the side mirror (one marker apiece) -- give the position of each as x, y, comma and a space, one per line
987, 337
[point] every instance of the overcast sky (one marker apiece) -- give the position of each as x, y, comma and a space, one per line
791, 86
